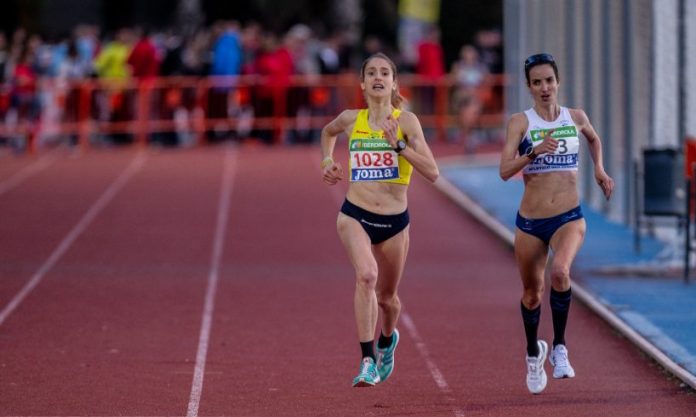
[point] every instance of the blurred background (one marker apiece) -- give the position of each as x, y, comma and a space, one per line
193, 72
268, 71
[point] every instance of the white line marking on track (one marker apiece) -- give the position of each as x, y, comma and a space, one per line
27, 172
209, 305
70, 238
434, 370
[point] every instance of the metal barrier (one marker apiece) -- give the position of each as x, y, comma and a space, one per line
666, 192
196, 110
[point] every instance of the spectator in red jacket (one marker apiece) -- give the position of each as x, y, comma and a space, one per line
24, 79
431, 57
430, 65
144, 59
275, 64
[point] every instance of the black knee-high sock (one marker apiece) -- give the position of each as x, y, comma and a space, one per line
530, 318
368, 349
560, 305
384, 341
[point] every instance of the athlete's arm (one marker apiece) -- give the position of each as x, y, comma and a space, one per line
605, 182
417, 152
332, 172
510, 163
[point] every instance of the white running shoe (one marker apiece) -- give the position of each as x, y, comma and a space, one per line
560, 362
536, 376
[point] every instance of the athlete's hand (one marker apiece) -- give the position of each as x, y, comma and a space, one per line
548, 145
333, 173
605, 182
390, 128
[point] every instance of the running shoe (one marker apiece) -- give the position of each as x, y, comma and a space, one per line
560, 362
385, 358
368, 376
536, 376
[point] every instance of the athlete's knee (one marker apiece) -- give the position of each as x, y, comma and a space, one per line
387, 300
532, 296
366, 277
560, 276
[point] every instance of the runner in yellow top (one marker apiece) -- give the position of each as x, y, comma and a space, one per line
372, 157
385, 145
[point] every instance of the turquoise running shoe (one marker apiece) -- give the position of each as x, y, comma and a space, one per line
385, 358
368, 376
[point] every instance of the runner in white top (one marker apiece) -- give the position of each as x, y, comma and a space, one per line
543, 143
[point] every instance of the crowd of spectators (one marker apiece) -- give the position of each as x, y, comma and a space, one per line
227, 48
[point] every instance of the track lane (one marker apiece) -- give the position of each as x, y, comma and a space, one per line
113, 327
289, 307
41, 210
284, 336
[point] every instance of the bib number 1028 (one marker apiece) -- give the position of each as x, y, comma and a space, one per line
373, 159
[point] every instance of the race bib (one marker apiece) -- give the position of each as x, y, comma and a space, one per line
566, 155
566, 136
373, 160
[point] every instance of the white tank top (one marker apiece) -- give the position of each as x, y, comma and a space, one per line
566, 156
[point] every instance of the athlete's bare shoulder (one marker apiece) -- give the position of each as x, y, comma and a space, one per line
518, 122
579, 116
343, 122
348, 115
408, 118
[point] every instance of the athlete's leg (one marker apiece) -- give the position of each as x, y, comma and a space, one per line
391, 258
531, 254
565, 243
358, 246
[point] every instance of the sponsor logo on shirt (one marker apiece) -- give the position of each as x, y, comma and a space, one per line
558, 133
374, 174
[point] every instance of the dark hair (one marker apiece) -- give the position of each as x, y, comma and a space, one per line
539, 59
396, 98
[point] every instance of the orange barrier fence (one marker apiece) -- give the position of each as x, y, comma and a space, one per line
174, 110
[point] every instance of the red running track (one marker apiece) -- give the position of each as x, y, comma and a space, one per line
211, 282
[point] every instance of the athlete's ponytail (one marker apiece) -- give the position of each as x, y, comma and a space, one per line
396, 98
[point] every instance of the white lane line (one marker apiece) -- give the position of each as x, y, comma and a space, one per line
425, 355
411, 327
70, 238
209, 305
27, 172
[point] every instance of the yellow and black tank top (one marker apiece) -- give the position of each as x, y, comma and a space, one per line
372, 158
